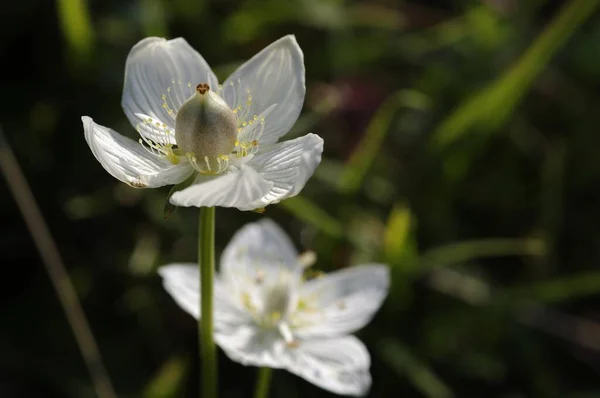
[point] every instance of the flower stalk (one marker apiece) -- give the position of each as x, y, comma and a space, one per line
263, 381
206, 262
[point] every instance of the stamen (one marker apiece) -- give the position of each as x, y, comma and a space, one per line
286, 333
208, 165
247, 302
260, 277
307, 259
249, 135
158, 149
175, 95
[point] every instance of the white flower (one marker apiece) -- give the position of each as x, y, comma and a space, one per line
227, 134
266, 314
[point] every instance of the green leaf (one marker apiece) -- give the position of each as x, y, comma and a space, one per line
153, 18
558, 289
456, 253
405, 364
312, 214
166, 383
370, 146
74, 18
399, 243
491, 107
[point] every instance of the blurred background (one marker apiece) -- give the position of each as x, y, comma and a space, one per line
461, 148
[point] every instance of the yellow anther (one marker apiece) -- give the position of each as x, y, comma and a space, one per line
275, 316
247, 302
302, 305
171, 157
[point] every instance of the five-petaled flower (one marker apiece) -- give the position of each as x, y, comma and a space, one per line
267, 314
225, 136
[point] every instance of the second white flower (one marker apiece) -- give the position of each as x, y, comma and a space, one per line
266, 314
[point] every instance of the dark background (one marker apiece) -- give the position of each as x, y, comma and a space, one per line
461, 148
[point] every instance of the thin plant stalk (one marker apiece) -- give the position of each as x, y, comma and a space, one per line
17, 183
263, 382
206, 262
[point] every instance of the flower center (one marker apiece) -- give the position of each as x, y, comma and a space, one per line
270, 298
206, 130
208, 133
275, 305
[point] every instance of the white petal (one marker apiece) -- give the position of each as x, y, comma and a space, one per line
155, 65
258, 242
182, 282
273, 76
238, 188
260, 250
342, 301
338, 365
288, 165
252, 346
128, 161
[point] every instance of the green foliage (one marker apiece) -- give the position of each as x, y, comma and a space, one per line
460, 149
75, 23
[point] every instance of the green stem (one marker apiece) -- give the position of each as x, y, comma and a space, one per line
262, 383
206, 262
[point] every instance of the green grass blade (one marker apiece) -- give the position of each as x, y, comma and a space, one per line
456, 253
367, 149
74, 19
310, 213
558, 289
492, 106
399, 243
168, 380
405, 364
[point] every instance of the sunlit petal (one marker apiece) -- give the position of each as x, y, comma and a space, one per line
273, 76
342, 301
128, 161
237, 188
339, 365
